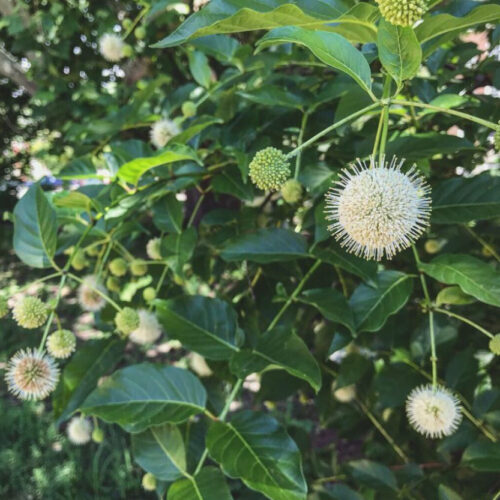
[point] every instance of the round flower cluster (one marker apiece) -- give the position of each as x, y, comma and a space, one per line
61, 344
79, 260
31, 374
30, 312
291, 191
378, 210
113, 284
153, 249
97, 435
118, 267
402, 12
433, 411
149, 294
138, 268
148, 330
127, 320
79, 430
111, 47
89, 296
269, 169
162, 131
149, 482
495, 344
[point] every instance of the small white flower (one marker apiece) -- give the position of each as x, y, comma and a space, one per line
111, 47
433, 411
88, 297
31, 374
79, 430
378, 209
149, 328
162, 131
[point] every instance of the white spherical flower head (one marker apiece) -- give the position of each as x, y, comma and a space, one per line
162, 131
433, 411
111, 47
378, 210
31, 374
149, 328
79, 430
88, 297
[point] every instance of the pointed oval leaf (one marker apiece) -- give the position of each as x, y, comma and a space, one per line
205, 325
35, 229
208, 484
256, 449
140, 396
373, 474
373, 305
472, 275
330, 48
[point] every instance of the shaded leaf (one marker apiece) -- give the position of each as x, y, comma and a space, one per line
208, 484
483, 456
373, 474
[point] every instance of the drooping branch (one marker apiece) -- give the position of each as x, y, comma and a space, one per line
13, 71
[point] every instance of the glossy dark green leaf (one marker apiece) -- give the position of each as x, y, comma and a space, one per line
331, 304
472, 275
197, 126
199, 67
254, 448
160, 450
205, 325
460, 199
352, 368
446, 493
282, 348
177, 248
399, 51
373, 474
35, 229
208, 484
330, 48
168, 214
483, 456
266, 245
144, 395
79, 168
373, 305
340, 491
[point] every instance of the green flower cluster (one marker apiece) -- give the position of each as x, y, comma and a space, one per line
269, 169
127, 320
402, 12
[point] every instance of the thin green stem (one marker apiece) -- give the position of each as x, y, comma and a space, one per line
385, 116
96, 290
102, 261
325, 131
464, 320
292, 297
483, 242
382, 431
466, 116
422, 276
37, 281
160, 282
378, 134
298, 160
141, 14
222, 417
52, 313
195, 210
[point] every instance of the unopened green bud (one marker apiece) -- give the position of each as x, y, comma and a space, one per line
127, 23
79, 260
97, 435
61, 344
149, 482
269, 169
495, 344
432, 246
188, 109
402, 12
118, 266
127, 51
127, 320
93, 250
30, 312
113, 284
138, 268
149, 294
140, 32
291, 191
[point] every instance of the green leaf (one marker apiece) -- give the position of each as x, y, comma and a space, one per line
196, 127
373, 474
336, 256
273, 95
330, 48
266, 245
168, 214
399, 51
460, 200
73, 199
205, 325
35, 229
208, 484
79, 378
341, 492
472, 275
133, 170
445, 493
373, 305
352, 368
79, 168
254, 448
199, 68
160, 450
331, 304
140, 396
233, 16
453, 295
439, 24
282, 348
483, 456
177, 249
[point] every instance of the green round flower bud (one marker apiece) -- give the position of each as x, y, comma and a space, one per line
127, 51
188, 109
93, 251
495, 344
127, 23
97, 435
138, 268
149, 482
432, 246
30, 312
113, 284
140, 32
153, 248
269, 169
149, 294
497, 138
4, 307
402, 12
61, 343
79, 260
291, 191
127, 320
118, 266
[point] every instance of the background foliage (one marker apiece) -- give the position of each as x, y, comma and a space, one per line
251, 283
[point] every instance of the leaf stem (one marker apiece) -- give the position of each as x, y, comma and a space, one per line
385, 116
141, 14
298, 160
325, 131
294, 295
480, 121
464, 320
195, 210
482, 242
52, 312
